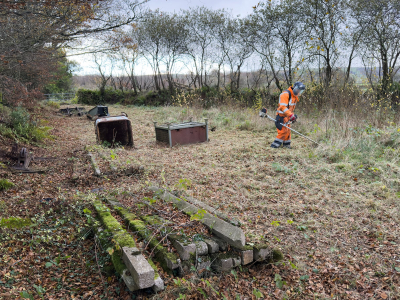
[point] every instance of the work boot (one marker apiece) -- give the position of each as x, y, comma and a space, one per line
287, 146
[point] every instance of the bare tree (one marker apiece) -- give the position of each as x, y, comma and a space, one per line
32, 32
324, 20
381, 39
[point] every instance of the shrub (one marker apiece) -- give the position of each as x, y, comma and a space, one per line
75, 100
22, 128
6, 131
19, 117
110, 96
88, 97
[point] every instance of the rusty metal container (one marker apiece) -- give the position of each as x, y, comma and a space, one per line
182, 133
114, 130
98, 110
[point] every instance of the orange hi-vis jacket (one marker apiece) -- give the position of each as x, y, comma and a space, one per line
286, 106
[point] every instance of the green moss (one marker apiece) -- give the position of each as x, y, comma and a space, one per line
260, 246
171, 256
120, 236
109, 221
244, 248
277, 255
124, 239
118, 263
5, 184
154, 220
116, 258
15, 222
151, 220
152, 264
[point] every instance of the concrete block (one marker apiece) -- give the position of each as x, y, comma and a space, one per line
237, 261
223, 264
223, 246
212, 210
203, 262
185, 268
184, 250
129, 281
95, 167
171, 264
261, 253
201, 248
229, 233
212, 246
140, 269
247, 257
158, 285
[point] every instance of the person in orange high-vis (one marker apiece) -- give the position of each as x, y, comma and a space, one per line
285, 114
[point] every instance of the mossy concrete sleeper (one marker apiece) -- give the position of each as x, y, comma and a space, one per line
231, 234
168, 261
121, 239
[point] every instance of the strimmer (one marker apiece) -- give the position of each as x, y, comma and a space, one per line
264, 115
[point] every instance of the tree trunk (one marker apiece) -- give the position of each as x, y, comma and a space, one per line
238, 78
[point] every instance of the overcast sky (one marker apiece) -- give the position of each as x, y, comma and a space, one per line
238, 7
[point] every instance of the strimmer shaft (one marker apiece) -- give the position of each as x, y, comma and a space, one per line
272, 119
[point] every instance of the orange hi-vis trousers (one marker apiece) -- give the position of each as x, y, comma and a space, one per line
283, 137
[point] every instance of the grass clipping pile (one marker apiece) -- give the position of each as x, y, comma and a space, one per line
332, 210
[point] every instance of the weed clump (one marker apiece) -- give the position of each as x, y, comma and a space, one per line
247, 125
53, 104
5, 184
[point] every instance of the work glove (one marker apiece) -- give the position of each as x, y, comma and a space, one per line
292, 118
263, 113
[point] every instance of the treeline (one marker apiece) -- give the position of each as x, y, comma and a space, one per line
316, 41
33, 37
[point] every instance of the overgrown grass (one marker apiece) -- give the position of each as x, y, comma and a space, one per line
358, 148
223, 118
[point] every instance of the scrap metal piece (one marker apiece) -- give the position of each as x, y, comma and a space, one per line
69, 111
98, 111
24, 159
114, 130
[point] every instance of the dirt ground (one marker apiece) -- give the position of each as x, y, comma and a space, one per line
340, 237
